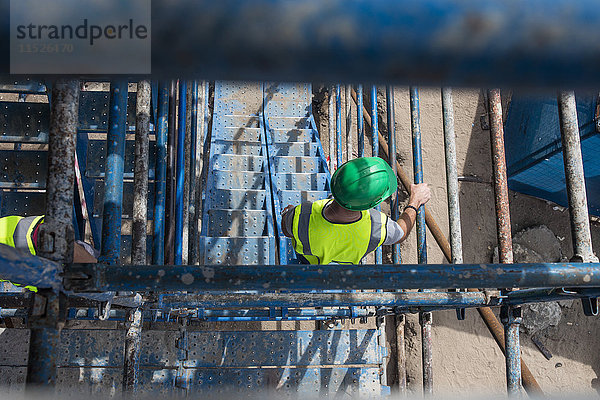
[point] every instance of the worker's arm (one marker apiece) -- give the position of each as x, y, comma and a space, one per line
287, 218
419, 195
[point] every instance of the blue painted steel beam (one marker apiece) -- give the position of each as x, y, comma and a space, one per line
99, 277
415, 115
180, 171
158, 239
193, 228
375, 140
465, 43
511, 318
113, 182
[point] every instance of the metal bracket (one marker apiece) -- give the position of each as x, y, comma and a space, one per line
590, 306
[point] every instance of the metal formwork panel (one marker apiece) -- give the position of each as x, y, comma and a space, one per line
294, 197
238, 134
235, 121
237, 250
14, 347
236, 147
301, 181
22, 203
289, 123
288, 91
240, 199
303, 149
24, 168
290, 135
12, 379
24, 122
91, 348
238, 180
281, 348
243, 223
237, 162
127, 200
287, 382
287, 108
82, 381
22, 86
287, 164
96, 155
93, 111
241, 98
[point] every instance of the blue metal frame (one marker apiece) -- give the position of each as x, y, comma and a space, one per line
338, 124
115, 155
158, 240
180, 171
361, 122
418, 171
396, 252
375, 139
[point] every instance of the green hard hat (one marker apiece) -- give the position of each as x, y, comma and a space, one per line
362, 183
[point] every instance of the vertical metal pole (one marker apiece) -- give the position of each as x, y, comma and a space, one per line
180, 167
140, 177
375, 139
160, 181
113, 181
186, 177
338, 126
361, 123
348, 123
200, 147
575, 178
332, 125
56, 235
170, 208
401, 352
425, 318
193, 178
133, 345
391, 121
452, 183
452, 177
511, 318
500, 179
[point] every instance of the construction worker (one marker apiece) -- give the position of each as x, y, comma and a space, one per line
22, 233
343, 230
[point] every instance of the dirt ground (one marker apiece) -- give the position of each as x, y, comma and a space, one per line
466, 358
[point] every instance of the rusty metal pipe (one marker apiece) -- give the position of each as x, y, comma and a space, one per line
133, 344
574, 174
500, 179
494, 326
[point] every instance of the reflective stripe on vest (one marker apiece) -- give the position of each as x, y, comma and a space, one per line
323, 242
17, 231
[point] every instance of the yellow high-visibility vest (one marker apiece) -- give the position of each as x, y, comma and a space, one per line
324, 242
17, 232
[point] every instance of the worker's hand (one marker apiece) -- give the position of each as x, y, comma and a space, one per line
419, 194
287, 209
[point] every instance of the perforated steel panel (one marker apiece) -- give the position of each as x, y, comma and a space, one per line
295, 197
24, 122
23, 203
281, 348
93, 111
14, 347
287, 164
96, 154
12, 379
237, 162
91, 348
287, 108
238, 134
236, 147
236, 121
238, 199
295, 149
24, 168
239, 180
289, 123
290, 135
276, 91
237, 250
127, 199
243, 223
301, 181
